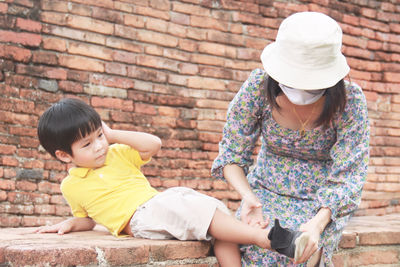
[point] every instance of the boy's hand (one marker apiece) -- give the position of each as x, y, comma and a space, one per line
107, 131
59, 228
71, 225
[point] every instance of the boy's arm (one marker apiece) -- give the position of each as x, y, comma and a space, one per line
74, 224
146, 144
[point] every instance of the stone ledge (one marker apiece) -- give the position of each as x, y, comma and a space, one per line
367, 241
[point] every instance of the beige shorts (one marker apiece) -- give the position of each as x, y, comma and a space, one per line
178, 212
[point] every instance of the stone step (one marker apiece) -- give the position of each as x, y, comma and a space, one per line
367, 241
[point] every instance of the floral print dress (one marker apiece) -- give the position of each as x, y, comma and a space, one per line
295, 175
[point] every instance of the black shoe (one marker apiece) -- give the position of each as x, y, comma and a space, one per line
288, 242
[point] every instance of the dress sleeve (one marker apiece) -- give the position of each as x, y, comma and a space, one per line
350, 155
241, 130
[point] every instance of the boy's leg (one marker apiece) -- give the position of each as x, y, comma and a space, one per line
227, 253
228, 233
227, 228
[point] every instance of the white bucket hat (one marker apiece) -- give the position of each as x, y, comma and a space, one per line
307, 52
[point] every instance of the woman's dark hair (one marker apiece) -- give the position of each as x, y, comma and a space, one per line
66, 122
335, 100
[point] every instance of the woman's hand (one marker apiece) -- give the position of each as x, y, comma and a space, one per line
312, 246
251, 212
314, 227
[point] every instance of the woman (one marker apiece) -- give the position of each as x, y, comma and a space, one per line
314, 131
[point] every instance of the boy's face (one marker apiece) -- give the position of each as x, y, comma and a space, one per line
90, 151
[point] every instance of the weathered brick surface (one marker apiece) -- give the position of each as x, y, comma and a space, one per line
171, 68
21, 247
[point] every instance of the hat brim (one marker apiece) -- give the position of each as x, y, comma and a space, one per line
302, 78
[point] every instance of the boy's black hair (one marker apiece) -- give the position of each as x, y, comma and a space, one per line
335, 100
64, 123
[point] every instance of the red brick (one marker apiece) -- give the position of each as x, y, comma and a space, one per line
9, 221
55, 165
113, 103
180, 250
391, 77
3, 195
58, 199
219, 185
90, 50
112, 81
28, 198
379, 238
7, 149
33, 164
9, 173
26, 186
28, 25
116, 68
52, 43
44, 57
147, 74
28, 141
124, 45
134, 21
8, 185
81, 63
3, 8
42, 71
16, 209
125, 57
45, 209
23, 38
72, 87
348, 240
151, 12
373, 257
80, 76
90, 24
125, 256
9, 161
21, 81
29, 221
15, 53
157, 38
23, 255
54, 6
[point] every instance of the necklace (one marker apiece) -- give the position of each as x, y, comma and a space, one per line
303, 124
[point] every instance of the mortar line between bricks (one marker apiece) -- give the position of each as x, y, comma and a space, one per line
101, 260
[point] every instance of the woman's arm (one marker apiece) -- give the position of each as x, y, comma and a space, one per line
146, 144
314, 227
239, 137
251, 207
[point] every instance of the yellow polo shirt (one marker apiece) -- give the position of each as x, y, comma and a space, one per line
109, 194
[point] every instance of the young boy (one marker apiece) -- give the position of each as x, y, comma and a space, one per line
106, 186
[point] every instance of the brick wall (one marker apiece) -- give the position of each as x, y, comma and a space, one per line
170, 68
